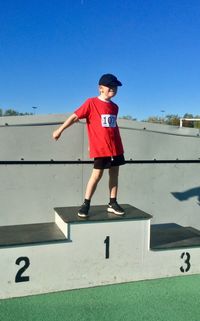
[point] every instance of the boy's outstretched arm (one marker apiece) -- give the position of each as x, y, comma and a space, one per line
70, 121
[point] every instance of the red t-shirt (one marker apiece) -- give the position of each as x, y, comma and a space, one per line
103, 132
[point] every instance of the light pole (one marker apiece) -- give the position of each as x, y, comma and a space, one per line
163, 117
34, 108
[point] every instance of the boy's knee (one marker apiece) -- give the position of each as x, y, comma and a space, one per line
97, 175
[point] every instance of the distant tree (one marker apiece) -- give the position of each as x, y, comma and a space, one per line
172, 119
197, 123
12, 112
129, 117
155, 119
168, 120
24, 114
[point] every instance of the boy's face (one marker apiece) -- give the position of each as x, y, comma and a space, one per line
107, 92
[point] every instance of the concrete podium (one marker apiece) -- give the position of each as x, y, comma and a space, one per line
73, 253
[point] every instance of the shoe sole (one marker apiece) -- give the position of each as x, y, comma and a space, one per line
83, 215
111, 210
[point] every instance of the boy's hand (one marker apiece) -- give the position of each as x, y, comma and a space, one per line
56, 134
70, 121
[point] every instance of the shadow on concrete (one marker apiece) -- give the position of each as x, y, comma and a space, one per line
184, 196
173, 236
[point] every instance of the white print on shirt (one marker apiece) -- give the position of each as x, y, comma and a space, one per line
108, 120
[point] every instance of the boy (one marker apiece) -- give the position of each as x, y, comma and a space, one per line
104, 140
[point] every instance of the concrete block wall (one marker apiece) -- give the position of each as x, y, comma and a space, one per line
170, 192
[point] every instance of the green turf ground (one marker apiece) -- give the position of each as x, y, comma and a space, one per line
172, 299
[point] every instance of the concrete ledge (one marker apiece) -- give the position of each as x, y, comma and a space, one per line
29, 234
173, 236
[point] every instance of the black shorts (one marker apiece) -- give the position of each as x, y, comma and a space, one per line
107, 162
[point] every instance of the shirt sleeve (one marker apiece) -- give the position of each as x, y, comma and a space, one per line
84, 110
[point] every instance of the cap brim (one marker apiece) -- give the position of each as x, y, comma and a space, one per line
114, 84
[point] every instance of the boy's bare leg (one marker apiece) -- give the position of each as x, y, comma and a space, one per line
90, 189
113, 206
113, 181
93, 182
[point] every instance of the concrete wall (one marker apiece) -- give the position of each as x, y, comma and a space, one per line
28, 193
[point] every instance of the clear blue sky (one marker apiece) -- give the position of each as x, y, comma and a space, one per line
52, 53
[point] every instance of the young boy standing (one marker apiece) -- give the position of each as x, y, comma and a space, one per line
104, 141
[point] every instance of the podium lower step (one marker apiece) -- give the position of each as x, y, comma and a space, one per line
173, 236
27, 234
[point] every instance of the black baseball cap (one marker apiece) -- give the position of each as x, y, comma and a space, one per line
109, 80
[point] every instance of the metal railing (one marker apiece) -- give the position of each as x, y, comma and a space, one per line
89, 162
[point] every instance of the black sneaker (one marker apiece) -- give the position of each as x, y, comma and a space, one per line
83, 210
115, 209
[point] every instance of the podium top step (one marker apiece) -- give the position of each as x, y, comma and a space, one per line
99, 213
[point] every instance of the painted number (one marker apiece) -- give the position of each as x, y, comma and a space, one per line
186, 257
26, 263
107, 249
